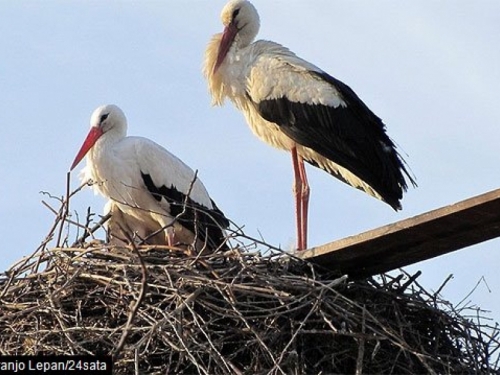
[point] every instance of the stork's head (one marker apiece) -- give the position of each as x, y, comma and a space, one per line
241, 25
106, 119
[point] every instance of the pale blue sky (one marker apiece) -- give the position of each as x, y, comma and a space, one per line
430, 70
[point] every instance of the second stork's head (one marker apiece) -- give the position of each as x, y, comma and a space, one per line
241, 25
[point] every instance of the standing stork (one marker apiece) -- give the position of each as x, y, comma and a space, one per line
295, 106
151, 192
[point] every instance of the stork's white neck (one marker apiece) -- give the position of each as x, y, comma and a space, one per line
101, 160
107, 141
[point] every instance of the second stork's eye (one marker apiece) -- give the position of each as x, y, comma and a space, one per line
236, 12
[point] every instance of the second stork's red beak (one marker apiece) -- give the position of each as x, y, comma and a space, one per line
227, 40
94, 134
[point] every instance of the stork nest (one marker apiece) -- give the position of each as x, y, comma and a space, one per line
161, 310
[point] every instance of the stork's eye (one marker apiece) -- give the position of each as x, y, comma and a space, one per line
104, 117
236, 12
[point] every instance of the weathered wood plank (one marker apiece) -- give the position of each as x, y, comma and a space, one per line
412, 240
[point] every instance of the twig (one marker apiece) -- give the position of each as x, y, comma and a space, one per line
64, 210
472, 291
436, 294
136, 361
361, 343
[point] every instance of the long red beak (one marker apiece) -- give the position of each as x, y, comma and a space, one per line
91, 139
227, 40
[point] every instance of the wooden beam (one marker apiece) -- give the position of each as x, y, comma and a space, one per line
412, 240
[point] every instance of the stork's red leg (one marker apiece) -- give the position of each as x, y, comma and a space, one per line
297, 191
304, 194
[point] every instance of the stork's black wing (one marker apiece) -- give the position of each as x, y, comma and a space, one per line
208, 224
352, 136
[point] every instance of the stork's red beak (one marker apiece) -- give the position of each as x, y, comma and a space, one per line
227, 40
91, 139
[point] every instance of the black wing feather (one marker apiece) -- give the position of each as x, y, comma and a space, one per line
351, 136
208, 223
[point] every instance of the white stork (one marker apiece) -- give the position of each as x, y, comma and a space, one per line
295, 106
150, 190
